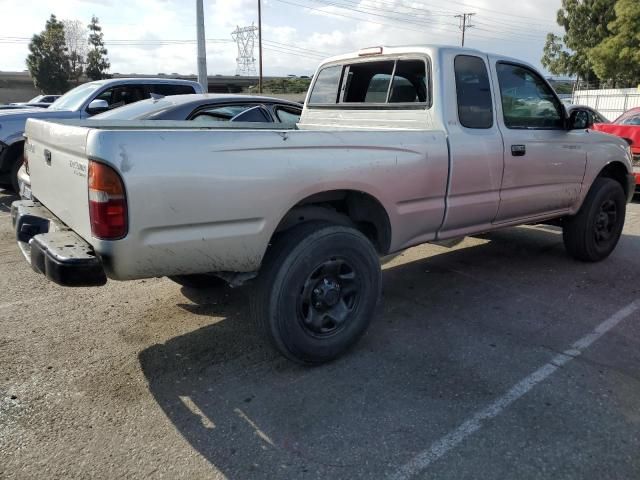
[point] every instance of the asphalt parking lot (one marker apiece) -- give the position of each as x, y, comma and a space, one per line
499, 358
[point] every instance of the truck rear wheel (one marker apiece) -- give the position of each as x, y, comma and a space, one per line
317, 291
593, 233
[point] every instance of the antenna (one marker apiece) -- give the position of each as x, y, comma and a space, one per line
245, 37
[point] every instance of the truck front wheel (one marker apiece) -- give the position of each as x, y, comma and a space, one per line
317, 291
593, 233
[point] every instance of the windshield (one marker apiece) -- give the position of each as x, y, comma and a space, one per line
36, 99
136, 111
73, 99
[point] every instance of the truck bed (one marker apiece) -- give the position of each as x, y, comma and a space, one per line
208, 198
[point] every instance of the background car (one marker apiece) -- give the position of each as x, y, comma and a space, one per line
627, 126
210, 108
42, 101
201, 108
83, 101
594, 115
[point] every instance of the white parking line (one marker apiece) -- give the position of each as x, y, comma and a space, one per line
441, 447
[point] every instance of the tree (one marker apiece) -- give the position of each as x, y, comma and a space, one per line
76, 39
97, 61
47, 61
617, 58
586, 25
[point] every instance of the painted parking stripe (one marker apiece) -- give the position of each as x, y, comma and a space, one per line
441, 447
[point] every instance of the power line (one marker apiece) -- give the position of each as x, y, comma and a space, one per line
443, 27
426, 9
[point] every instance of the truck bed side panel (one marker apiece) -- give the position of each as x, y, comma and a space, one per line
209, 200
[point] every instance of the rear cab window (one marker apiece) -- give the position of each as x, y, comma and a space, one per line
379, 83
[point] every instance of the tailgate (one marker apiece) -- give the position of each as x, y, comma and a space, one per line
58, 170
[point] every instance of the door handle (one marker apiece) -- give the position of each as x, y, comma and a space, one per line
518, 150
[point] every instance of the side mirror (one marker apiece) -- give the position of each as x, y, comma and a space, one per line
97, 106
579, 120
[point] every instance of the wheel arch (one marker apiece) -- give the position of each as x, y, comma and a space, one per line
617, 171
348, 207
12, 153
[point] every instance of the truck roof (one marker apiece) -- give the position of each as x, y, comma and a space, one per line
427, 49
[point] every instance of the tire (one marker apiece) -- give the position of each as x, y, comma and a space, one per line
317, 291
593, 233
199, 281
14, 173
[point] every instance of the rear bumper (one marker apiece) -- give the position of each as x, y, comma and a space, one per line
53, 249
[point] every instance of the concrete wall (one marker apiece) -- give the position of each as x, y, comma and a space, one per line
18, 86
14, 88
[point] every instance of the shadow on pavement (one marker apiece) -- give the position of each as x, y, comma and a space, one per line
6, 199
436, 350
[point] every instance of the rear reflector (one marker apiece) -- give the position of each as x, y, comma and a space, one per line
107, 202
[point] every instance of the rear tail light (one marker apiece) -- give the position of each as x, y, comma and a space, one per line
107, 202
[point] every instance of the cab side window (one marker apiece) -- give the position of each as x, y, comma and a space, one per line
527, 101
473, 91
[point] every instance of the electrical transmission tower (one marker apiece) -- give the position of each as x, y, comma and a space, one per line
245, 37
464, 23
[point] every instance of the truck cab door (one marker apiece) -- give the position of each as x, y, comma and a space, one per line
544, 163
475, 146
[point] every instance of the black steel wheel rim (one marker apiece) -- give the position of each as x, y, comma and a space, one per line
329, 297
606, 221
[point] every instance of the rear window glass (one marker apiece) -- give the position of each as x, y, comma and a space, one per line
218, 113
288, 114
373, 82
167, 89
409, 82
368, 82
325, 89
631, 120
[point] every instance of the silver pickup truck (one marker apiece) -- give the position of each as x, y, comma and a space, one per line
395, 147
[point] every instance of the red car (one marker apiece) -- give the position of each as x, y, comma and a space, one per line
627, 126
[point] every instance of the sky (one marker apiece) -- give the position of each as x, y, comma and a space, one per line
154, 36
